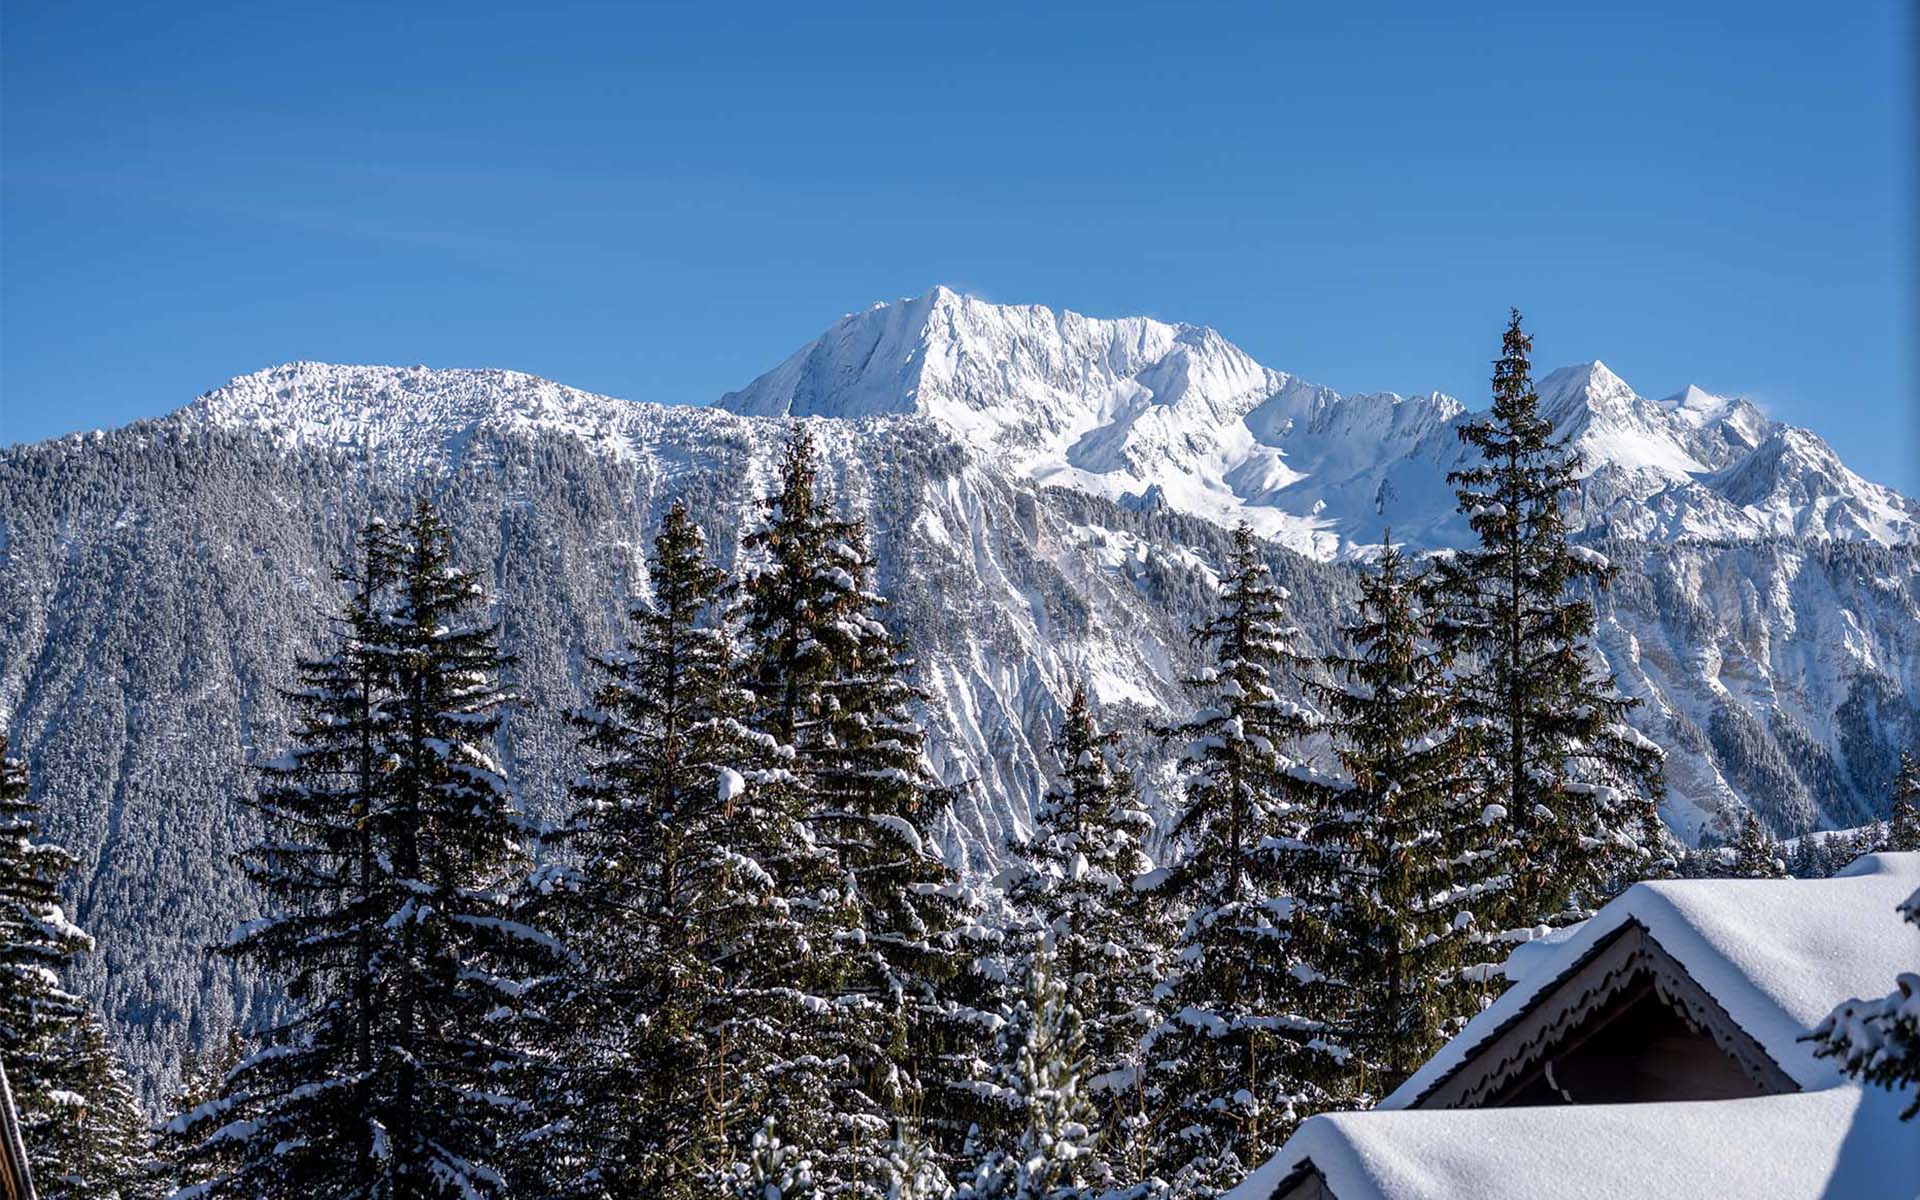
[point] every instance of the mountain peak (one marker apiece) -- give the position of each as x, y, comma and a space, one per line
955, 358
1571, 394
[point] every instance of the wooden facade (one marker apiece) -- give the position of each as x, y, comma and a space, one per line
16, 1181
1624, 1024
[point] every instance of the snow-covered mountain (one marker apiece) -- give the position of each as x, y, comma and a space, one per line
1141, 411
1047, 494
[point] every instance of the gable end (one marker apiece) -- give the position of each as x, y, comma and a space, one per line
1621, 976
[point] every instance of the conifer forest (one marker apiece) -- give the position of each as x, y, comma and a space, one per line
738, 963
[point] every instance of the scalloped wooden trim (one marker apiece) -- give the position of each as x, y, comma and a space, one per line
1626, 958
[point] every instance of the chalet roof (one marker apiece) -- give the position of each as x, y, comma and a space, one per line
1839, 1141
1776, 954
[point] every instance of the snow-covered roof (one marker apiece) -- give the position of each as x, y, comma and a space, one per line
1777, 954
1839, 1141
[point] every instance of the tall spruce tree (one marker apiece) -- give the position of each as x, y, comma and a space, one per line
1575, 787
311, 1086
1903, 823
392, 839
452, 839
84, 1135
1075, 903
1388, 917
1235, 1061
831, 688
687, 908
38, 1017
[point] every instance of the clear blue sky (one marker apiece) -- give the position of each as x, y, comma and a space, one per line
661, 203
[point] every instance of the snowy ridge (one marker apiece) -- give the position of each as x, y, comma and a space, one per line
1132, 409
409, 417
1141, 411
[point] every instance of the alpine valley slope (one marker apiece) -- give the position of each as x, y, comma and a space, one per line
1047, 494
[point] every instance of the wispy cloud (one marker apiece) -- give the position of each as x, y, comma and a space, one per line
173, 193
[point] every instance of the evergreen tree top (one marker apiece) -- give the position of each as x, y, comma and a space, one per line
1903, 823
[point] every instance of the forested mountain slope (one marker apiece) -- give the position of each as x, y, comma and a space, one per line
157, 583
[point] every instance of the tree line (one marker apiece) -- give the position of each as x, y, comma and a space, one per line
740, 967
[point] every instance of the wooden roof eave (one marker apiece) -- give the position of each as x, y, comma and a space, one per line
1555, 1016
1304, 1182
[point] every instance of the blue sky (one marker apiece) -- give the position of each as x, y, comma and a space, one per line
661, 202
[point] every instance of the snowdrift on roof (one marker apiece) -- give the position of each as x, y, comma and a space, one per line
1777, 954
1841, 1142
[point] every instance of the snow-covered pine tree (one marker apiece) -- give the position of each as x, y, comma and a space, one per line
1803, 863
1754, 853
1878, 1041
1389, 924
37, 942
1575, 787
84, 1135
1230, 1063
203, 1073
452, 840
915, 1169
671, 1033
772, 1170
391, 840
1053, 1152
302, 1107
103, 1139
1074, 900
1903, 823
830, 684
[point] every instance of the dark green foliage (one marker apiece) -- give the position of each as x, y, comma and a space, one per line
1813, 764
673, 1033
1756, 764
1754, 853
203, 1078
1102, 940
1903, 825
831, 689
392, 837
98, 1147
1053, 1151
1819, 855
1575, 788
1390, 922
38, 1017
1232, 1061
